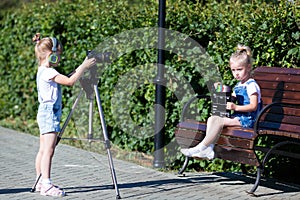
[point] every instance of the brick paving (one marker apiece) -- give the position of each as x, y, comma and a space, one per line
85, 176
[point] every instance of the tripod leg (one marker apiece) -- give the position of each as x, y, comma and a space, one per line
90, 134
35, 183
107, 142
69, 117
60, 134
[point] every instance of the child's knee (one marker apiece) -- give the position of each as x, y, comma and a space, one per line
215, 119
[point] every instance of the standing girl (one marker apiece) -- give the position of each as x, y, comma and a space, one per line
248, 98
48, 51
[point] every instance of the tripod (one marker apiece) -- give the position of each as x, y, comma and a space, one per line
89, 85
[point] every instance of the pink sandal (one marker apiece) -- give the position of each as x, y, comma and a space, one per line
53, 191
38, 187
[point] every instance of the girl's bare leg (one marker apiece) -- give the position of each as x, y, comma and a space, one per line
215, 125
214, 128
48, 141
39, 157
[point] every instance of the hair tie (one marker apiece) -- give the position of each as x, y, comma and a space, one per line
36, 38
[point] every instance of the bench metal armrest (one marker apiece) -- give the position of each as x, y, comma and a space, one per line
268, 107
187, 104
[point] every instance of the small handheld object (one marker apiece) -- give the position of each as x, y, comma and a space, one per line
220, 96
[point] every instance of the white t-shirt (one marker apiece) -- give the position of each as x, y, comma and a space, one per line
47, 89
252, 87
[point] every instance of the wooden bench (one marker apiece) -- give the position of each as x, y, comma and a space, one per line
280, 117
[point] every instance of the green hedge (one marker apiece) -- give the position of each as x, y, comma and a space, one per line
270, 29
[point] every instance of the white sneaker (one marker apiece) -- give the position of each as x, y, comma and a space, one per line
207, 153
190, 151
186, 152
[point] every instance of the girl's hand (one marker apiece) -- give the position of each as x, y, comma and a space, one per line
230, 106
244, 108
87, 63
64, 80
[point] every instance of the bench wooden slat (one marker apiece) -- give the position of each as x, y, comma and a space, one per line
236, 155
274, 96
240, 132
187, 138
267, 101
281, 118
280, 127
284, 110
235, 142
276, 70
279, 133
277, 77
192, 125
270, 85
278, 96
229, 131
189, 134
245, 156
186, 143
278, 152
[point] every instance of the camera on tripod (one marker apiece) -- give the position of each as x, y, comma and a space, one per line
100, 57
87, 83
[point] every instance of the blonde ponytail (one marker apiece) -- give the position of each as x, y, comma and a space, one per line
243, 55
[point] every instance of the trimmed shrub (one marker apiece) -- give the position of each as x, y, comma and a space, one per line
270, 29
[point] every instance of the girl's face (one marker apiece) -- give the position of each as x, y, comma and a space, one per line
240, 72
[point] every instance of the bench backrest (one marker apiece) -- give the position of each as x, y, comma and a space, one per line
280, 85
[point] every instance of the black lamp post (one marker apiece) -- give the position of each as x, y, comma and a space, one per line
160, 92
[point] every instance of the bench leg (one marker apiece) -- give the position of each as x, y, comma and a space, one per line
265, 159
257, 181
185, 164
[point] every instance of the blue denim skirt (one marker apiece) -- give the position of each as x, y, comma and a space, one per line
48, 118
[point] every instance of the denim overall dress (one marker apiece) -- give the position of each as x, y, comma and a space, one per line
247, 119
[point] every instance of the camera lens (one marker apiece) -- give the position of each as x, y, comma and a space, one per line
100, 57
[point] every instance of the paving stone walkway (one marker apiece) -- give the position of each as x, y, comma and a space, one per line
86, 176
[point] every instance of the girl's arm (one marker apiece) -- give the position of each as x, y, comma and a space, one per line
245, 108
70, 81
